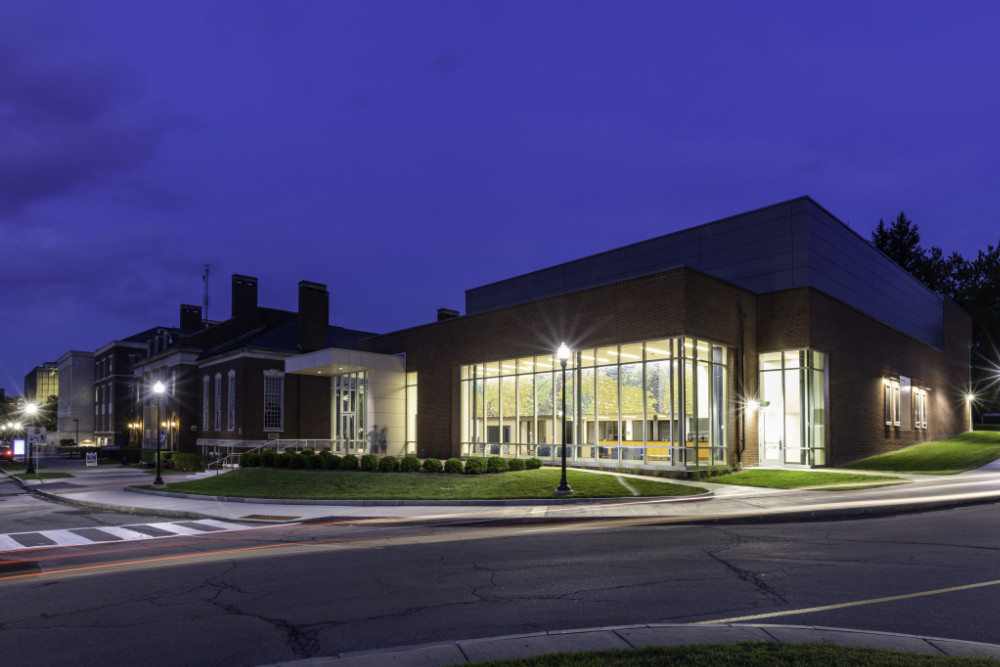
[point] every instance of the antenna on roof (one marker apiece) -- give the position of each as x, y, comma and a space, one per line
204, 300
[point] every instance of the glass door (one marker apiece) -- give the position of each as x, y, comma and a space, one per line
349, 414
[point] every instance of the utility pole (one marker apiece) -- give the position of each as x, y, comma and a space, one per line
204, 300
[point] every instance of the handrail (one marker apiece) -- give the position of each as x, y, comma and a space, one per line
276, 444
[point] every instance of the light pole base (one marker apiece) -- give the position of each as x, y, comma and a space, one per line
563, 491
158, 482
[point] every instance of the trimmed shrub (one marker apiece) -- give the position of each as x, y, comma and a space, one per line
533, 463
268, 458
253, 460
515, 464
187, 462
496, 464
296, 461
311, 460
432, 465
388, 464
245, 460
475, 466
453, 466
369, 462
349, 462
409, 464
325, 459
335, 462
284, 460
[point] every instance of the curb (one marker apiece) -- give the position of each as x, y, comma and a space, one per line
631, 637
425, 503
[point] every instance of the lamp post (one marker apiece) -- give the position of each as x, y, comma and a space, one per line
76, 422
31, 409
563, 354
158, 390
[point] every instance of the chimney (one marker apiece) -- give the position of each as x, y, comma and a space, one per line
314, 315
190, 317
446, 314
244, 296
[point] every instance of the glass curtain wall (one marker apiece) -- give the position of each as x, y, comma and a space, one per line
348, 416
793, 408
656, 402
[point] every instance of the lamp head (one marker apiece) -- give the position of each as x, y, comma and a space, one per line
563, 352
158, 387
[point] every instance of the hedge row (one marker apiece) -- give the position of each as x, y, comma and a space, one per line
324, 460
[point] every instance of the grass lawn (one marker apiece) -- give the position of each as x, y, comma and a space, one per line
743, 653
967, 451
797, 479
43, 475
15, 467
329, 484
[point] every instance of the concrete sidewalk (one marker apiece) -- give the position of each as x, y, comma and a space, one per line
639, 636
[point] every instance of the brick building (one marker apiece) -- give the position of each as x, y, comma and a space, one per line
776, 337
224, 387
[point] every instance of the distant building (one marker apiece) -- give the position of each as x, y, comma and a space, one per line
76, 397
41, 383
224, 386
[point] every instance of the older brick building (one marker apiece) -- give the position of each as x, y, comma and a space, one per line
776, 337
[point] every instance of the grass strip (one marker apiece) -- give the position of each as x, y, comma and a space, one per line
343, 485
44, 475
752, 654
967, 451
797, 479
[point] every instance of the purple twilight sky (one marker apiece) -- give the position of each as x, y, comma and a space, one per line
402, 152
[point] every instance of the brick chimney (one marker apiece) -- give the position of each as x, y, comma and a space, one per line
190, 317
244, 296
314, 315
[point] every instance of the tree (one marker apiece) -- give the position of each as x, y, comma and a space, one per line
974, 285
901, 242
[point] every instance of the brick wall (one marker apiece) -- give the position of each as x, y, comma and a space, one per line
860, 352
667, 304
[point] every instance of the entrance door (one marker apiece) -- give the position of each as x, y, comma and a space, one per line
772, 419
349, 414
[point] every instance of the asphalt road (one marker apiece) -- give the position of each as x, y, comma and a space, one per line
21, 511
281, 593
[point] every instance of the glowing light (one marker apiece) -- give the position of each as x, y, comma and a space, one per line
752, 405
158, 387
563, 352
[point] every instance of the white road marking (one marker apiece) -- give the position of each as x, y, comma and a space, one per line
67, 537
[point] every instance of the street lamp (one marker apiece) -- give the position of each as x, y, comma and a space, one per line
563, 354
31, 409
158, 390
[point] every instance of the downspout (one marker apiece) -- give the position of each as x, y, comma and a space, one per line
741, 415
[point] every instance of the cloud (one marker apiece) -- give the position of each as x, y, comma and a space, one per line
71, 114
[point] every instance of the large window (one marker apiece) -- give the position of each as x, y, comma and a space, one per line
792, 418
218, 401
205, 403
274, 394
656, 402
231, 401
890, 402
919, 408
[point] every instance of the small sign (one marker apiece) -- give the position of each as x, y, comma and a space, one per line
91, 459
36, 435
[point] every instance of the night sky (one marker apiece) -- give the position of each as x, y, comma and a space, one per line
403, 152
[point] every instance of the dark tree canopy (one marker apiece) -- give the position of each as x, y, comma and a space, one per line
972, 284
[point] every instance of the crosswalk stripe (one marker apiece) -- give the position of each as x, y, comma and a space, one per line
65, 537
